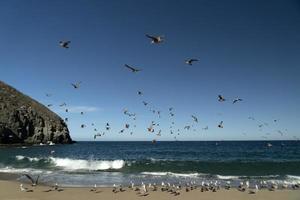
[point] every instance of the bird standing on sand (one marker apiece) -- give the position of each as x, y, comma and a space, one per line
155, 39
64, 44
133, 69
190, 61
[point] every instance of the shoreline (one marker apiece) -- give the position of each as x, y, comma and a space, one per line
11, 190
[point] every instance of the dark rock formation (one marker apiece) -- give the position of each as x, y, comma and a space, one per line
24, 120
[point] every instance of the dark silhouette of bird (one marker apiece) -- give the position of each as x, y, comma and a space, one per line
140, 93
63, 104
190, 61
236, 100
221, 98
195, 118
64, 44
134, 70
67, 110
82, 126
81, 113
48, 95
76, 85
155, 39
33, 182
220, 124
49, 105
145, 103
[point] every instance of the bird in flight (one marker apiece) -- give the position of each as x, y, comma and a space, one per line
63, 104
155, 39
76, 85
49, 105
195, 118
221, 98
33, 182
236, 100
48, 95
190, 61
64, 44
220, 124
140, 93
134, 70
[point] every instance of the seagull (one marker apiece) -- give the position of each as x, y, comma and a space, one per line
155, 39
93, 189
145, 103
63, 104
190, 61
236, 100
64, 44
121, 131
220, 124
221, 98
82, 126
107, 126
140, 93
126, 125
76, 85
254, 191
24, 189
33, 182
134, 70
195, 118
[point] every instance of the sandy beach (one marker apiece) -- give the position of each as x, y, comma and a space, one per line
10, 190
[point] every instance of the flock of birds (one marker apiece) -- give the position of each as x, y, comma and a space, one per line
154, 127
176, 189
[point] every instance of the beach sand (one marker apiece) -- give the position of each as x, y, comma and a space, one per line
10, 190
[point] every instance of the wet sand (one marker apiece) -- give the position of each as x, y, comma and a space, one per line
10, 190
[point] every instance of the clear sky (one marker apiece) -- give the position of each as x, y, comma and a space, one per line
247, 49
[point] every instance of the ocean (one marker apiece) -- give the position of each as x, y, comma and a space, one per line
108, 163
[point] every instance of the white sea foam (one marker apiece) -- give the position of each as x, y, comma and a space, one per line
23, 170
227, 177
80, 164
19, 157
170, 174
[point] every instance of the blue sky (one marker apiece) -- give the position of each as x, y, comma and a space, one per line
248, 49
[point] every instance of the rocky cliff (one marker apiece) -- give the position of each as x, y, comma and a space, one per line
24, 120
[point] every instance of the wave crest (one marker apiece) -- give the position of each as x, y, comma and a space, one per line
80, 164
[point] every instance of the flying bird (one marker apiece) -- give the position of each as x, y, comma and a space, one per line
236, 100
33, 182
155, 39
195, 118
221, 98
63, 104
190, 61
64, 44
134, 70
140, 93
76, 85
220, 124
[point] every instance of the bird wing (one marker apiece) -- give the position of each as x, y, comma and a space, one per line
131, 68
74, 85
37, 179
151, 37
29, 177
